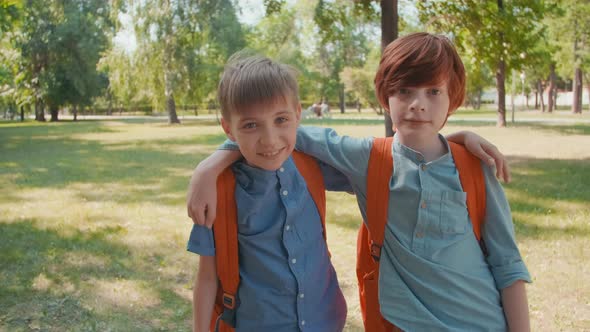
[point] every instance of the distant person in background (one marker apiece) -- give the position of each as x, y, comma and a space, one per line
324, 109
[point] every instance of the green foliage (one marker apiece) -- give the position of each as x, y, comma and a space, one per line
182, 46
479, 77
57, 47
358, 81
75, 47
491, 33
10, 11
570, 22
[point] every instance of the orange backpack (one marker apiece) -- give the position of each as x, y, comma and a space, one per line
226, 237
370, 241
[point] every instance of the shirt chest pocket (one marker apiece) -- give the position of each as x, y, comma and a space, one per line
454, 219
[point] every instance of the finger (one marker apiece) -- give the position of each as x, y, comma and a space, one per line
210, 216
499, 167
507, 176
188, 212
480, 153
199, 214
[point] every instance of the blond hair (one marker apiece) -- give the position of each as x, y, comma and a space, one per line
255, 80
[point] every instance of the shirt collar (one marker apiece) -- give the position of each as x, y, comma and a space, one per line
254, 179
416, 156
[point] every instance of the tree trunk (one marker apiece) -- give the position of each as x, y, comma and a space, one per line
389, 25
75, 111
39, 110
540, 90
22, 114
537, 95
577, 87
110, 106
341, 101
170, 104
551, 97
54, 110
358, 105
478, 100
500, 77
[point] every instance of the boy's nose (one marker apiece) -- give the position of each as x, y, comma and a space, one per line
268, 137
417, 104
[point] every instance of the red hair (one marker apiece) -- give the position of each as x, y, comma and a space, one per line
420, 59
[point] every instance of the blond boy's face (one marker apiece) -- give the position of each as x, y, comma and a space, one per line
266, 134
419, 112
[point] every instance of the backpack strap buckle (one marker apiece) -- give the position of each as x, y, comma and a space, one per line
230, 304
375, 251
229, 301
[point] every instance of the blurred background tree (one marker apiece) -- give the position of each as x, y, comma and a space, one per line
162, 56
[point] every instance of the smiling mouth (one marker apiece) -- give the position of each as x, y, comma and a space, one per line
417, 121
271, 154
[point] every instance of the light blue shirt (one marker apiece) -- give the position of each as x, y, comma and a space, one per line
288, 282
433, 274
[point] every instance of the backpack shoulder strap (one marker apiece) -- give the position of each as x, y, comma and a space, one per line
311, 172
378, 174
473, 183
225, 231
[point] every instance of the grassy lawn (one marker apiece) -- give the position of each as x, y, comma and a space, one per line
93, 225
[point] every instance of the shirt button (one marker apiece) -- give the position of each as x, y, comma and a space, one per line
282, 169
423, 167
301, 295
294, 261
285, 193
423, 204
288, 227
302, 322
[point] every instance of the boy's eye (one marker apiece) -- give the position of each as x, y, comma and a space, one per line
434, 91
282, 119
403, 91
249, 125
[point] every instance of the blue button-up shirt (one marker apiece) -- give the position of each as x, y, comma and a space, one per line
287, 282
433, 274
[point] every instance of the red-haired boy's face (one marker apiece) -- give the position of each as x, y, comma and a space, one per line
419, 112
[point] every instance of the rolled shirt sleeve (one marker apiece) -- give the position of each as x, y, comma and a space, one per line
498, 234
201, 241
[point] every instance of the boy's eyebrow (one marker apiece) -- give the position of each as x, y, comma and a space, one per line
282, 112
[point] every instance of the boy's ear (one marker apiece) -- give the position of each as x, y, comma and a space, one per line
226, 127
298, 112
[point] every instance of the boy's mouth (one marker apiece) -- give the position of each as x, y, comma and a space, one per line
270, 154
415, 121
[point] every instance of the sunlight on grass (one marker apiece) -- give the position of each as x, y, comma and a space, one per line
123, 293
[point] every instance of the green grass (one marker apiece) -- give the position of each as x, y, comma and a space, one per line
93, 224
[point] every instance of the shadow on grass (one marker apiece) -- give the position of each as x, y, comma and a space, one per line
44, 288
48, 157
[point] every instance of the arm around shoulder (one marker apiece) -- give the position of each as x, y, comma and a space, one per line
201, 198
204, 293
484, 150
